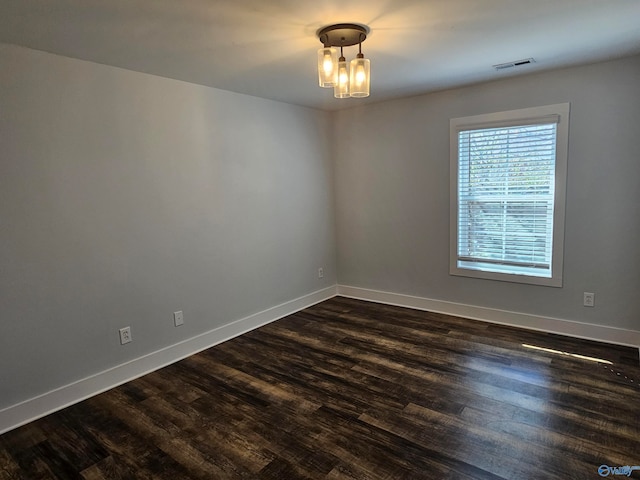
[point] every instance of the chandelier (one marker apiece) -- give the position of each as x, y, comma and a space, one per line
351, 79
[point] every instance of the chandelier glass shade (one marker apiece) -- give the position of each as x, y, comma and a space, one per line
360, 76
341, 90
328, 67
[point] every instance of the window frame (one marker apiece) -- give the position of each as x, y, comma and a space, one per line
522, 116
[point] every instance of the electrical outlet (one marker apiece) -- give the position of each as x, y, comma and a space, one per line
589, 299
320, 272
178, 318
125, 335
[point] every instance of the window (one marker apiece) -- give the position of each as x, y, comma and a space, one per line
508, 177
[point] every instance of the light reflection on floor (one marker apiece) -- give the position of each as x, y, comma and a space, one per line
574, 355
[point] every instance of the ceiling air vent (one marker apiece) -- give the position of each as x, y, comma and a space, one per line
517, 63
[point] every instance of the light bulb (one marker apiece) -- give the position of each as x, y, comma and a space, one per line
360, 75
344, 76
327, 64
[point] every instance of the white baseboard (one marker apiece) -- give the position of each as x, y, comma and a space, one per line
37, 407
619, 336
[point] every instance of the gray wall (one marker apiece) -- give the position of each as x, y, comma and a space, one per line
125, 197
392, 193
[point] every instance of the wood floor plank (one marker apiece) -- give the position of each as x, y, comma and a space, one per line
9, 469
350, 390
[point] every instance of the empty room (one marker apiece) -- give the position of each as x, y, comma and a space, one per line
303, 240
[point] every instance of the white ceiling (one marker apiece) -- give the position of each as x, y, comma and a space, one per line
267, 48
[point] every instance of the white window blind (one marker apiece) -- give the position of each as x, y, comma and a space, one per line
506, 185
508, 193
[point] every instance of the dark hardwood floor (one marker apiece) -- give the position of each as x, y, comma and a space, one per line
354, 390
